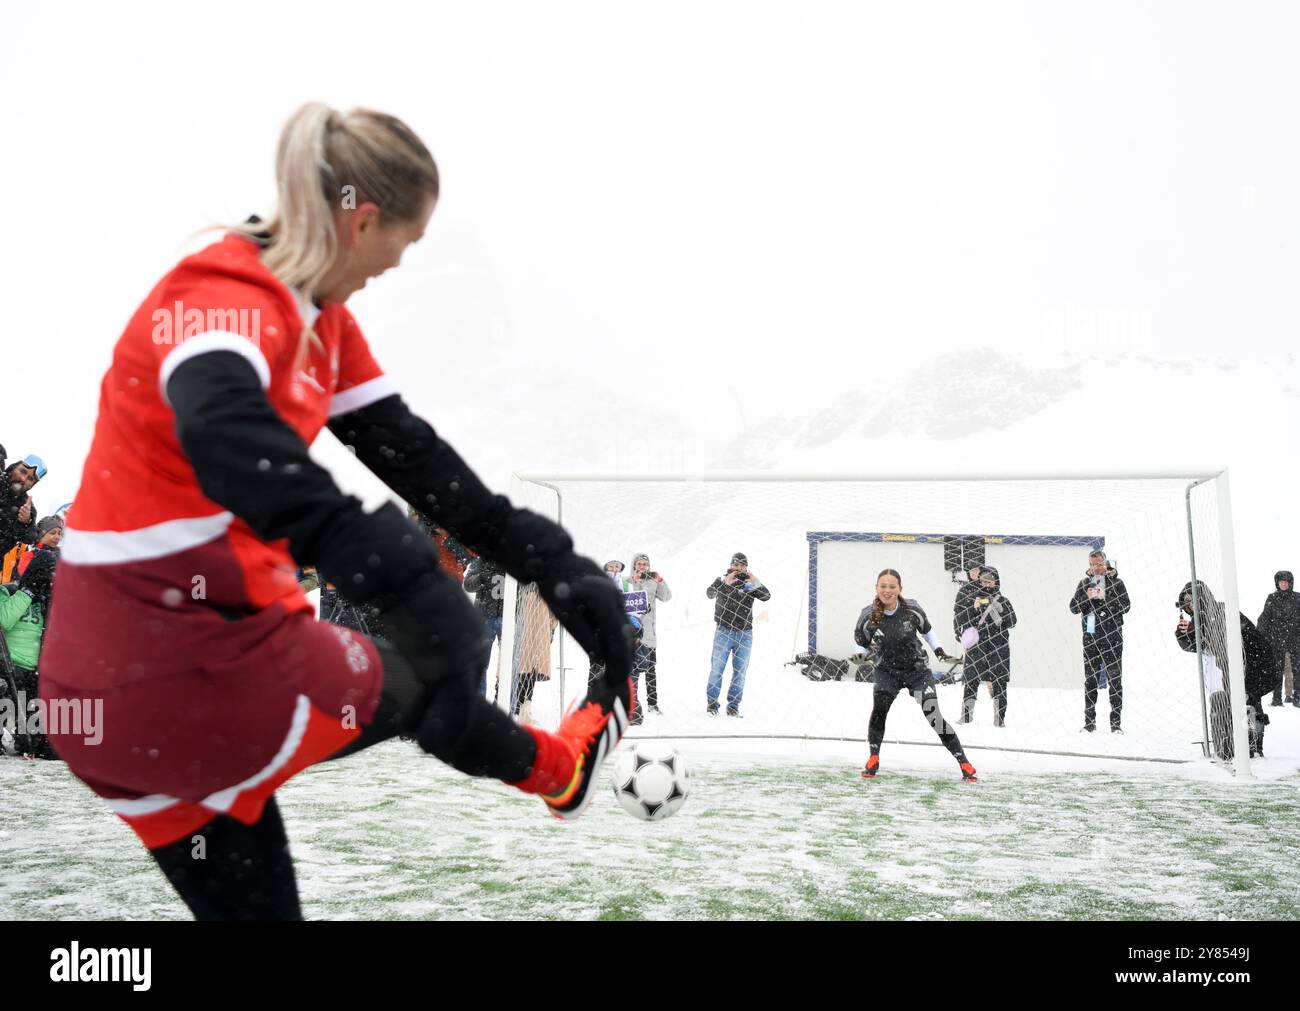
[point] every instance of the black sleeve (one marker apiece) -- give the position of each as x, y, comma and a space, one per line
1261, 664
761, 592
247, 459
1080, 599
11, 531
714, 587
1121, 591
405, 452
860, 633
1265, 623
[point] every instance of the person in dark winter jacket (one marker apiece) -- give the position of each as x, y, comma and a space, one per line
1216, 668
992, 617
17, 511
487, 581
1101, 601
966, 592
1279, 623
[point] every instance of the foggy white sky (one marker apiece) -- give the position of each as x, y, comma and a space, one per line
689, 220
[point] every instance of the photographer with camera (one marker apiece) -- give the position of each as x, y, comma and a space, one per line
1101, 601
733, 593
986, 622
643, 591
17, 512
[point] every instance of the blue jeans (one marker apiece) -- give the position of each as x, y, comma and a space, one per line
736, 644
494, 632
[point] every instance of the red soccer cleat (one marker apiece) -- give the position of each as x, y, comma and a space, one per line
968, 773
593, 731
873, 766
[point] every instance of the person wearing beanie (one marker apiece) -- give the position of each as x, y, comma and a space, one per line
49, 532
641, 593
733, 594
991, 617
1279, 623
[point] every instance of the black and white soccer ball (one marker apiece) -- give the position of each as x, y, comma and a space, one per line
651, 780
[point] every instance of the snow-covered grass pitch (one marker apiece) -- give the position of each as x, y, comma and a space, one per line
393, 834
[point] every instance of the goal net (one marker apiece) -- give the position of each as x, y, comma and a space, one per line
817, 546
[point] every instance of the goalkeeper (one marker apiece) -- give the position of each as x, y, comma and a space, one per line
892, 624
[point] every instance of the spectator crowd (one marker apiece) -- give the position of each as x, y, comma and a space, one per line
30, 546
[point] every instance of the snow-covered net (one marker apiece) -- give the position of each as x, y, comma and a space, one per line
818, 546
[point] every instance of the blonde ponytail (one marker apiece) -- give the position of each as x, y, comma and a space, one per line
329, 162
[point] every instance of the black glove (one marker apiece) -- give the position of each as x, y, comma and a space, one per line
38, 577
381, 559
940, 654
532, 548
590, 607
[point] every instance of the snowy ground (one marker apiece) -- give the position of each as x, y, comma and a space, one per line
777, 830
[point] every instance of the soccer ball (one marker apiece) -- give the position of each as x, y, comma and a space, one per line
651, 780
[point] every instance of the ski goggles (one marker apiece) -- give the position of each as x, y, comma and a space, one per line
35, 463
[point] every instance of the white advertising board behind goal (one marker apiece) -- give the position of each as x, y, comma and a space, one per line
1039, 575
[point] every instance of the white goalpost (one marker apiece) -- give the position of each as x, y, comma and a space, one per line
817, 543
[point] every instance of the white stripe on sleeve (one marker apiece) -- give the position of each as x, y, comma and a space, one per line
360, 396
212, 340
